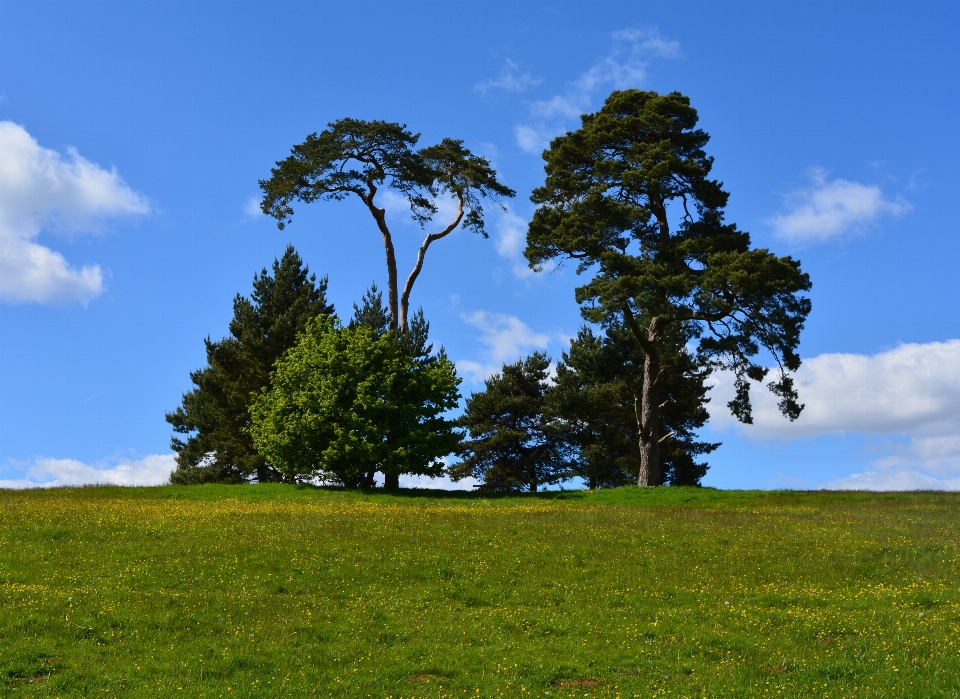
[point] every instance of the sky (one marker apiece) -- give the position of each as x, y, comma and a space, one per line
133, 136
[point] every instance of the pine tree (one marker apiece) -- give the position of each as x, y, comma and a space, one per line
629, 197
517, 444
597, 393
215, 414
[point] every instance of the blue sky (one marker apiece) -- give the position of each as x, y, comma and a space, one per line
132, 137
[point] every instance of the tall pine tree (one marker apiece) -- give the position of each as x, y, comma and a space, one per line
215, 415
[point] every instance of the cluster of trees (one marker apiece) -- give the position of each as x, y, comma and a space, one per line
675, 293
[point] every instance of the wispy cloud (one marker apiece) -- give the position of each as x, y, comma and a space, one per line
908, 398
624, 67
46, 473
505, 338
829, 209
251, 209
40, 189
510, 238
511, 79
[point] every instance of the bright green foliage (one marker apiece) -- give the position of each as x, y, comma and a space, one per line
358, 158
517, 442
345, 403
215, 415
629, 195
597, 391
276, 590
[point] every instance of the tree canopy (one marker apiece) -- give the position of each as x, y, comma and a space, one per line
346, 402
357, 158
215, 414
628, 195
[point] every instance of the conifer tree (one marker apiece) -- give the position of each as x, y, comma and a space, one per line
516, 442
597, 393
356, 158
629, 196
214, 415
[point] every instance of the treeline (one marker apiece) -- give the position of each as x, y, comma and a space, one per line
293, 395
676, 292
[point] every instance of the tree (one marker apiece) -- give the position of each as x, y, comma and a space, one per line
215, 414
597, 392
345, 403
628, 195
357, 158
516, 442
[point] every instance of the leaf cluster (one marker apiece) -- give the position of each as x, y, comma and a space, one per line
359, 157
346, 402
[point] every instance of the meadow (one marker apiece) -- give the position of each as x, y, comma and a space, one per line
274, 591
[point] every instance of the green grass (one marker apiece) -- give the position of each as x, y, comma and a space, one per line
270, 591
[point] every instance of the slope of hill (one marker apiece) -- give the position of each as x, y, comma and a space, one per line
269, 590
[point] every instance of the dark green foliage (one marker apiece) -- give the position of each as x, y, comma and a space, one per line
629, 196
371, 313
597, 391
517, 443
347, 402
215, 414
355, 157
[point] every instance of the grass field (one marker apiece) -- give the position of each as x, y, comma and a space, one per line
270, 591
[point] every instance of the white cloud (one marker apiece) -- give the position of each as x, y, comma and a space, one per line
908, 397
831, 208
566, 106
441, 483
510, 238
624, 67
252, 210
40, 189
506, 338
511, 235
510, 79
45, 473
533, 139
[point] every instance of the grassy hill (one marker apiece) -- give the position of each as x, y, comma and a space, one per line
264, 591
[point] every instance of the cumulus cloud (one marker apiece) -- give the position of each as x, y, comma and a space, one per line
40, 189
907, 399
506, 339
832, 208
46, 473
511, 79
624, 67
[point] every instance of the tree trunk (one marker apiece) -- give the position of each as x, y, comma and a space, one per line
648, 416
393, 296
391, 481
650, 421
